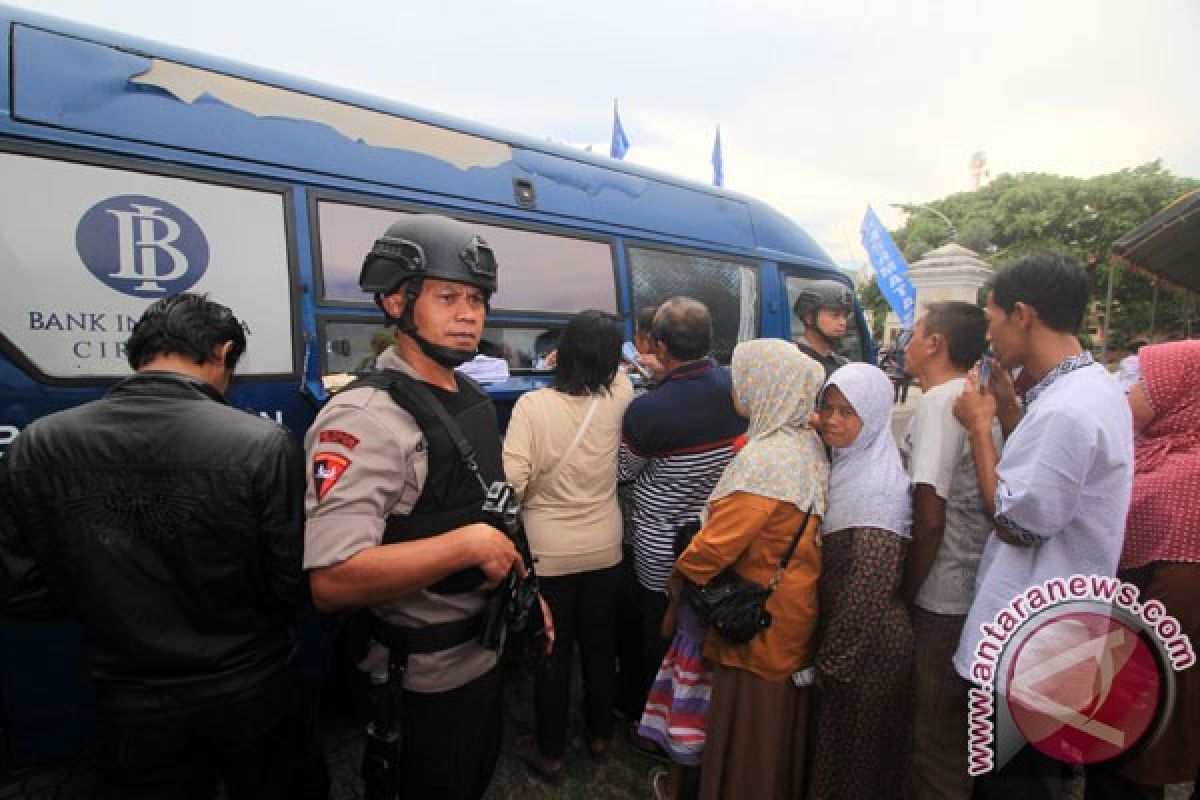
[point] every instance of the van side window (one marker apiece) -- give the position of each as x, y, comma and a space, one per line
729, 289
541, 272
852, 343
86, 248
352, 346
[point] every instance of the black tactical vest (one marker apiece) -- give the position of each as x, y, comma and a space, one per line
451, 496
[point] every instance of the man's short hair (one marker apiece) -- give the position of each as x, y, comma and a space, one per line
964, 327
188, 325
643, 323
1054, 284
684, 327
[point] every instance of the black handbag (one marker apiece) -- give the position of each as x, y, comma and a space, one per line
737, 607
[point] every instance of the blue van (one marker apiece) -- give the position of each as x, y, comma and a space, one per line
132, 170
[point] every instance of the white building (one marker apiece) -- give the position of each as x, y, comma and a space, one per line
949, 272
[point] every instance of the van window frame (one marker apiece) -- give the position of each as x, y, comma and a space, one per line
325, 318
128, 163
791, 270
317, 196
716, 255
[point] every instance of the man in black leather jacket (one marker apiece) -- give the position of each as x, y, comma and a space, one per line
171, 525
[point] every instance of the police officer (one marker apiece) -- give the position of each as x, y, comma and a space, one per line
394, 520
824, 307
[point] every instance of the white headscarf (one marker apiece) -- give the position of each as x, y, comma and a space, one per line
777, 385
869, 486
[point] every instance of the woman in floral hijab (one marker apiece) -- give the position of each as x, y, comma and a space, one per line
758, 717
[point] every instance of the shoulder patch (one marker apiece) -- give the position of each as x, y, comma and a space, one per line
327, 469
335, 436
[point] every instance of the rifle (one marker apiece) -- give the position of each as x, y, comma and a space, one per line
514, 603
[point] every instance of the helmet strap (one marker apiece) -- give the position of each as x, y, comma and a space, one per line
830, 341
448, 357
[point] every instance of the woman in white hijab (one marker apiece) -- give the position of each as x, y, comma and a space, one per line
865, 643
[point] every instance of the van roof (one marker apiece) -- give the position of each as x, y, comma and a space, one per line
167, 95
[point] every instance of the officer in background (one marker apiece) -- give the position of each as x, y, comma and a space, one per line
394, 514
824, 307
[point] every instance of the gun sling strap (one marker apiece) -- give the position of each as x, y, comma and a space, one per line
441, 636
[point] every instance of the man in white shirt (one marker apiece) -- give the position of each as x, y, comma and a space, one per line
950, 528
1060, 490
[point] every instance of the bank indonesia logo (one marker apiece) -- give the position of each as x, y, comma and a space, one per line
142, 246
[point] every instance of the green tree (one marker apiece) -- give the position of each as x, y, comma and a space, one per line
1018, 214
873, 300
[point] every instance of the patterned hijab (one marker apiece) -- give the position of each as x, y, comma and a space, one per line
869, 487
776, 386
1164, 517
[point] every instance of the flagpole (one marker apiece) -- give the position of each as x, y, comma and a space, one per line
718, 160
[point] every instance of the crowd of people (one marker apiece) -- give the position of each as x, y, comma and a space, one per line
184, 534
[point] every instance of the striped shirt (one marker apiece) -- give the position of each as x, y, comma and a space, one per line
675, 443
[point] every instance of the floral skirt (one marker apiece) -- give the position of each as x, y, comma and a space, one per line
864, 664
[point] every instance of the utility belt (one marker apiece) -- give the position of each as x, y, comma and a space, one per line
406, 641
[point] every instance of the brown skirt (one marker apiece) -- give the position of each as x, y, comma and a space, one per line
756, 738
1175, 755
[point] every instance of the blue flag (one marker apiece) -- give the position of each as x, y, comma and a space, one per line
890, 268
718, 163
620, 142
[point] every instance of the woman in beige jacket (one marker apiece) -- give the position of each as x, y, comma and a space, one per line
560, 452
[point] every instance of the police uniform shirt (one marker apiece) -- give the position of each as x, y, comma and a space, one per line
830, 362
367, 460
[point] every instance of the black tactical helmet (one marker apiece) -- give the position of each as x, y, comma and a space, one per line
823, 294
428, 246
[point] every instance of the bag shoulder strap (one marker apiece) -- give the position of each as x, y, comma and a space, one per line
787, 556
583, 426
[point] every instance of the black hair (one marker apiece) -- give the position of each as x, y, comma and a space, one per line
546, 342
644, 321
684, 327
188, 325
1055, 285
965, 328
589, 351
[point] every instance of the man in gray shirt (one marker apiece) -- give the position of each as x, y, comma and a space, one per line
950, 528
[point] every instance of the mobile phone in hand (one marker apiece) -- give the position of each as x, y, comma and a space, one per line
631, 356
985, 370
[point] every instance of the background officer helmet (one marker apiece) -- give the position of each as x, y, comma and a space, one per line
818, 295
823, 294
420, 246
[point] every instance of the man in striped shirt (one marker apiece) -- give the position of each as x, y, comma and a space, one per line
676, 441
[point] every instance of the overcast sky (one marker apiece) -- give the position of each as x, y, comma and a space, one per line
824, 106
